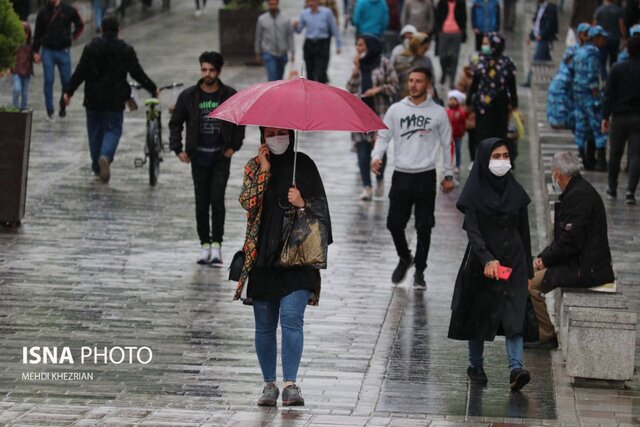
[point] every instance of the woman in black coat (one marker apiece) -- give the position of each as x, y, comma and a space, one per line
496, 221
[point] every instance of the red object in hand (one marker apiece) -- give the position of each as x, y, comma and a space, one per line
504, 273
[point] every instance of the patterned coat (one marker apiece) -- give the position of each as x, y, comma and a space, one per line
560, 106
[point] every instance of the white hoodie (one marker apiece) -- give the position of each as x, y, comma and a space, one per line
419, 133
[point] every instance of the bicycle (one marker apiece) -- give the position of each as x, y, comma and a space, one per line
153, 147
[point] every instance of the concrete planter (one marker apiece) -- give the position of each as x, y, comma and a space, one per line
237, 34
15, 140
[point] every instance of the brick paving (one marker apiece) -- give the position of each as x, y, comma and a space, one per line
95, 265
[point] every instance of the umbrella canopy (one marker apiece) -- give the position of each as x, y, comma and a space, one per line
299, 104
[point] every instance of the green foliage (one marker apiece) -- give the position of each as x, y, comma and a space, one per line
245, 4
11, 34
6, 109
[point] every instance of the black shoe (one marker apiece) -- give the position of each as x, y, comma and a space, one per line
552, 344
518, 379
611, 194
269, 396
105, 169
400, 273
601, 160
476, 375
291, 396
419, 283
63, 109
630, 199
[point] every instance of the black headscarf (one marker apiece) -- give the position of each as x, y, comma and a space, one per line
275, 200
371, 60
497, 43
484, 192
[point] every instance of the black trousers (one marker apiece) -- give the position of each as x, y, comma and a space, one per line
316, 58
624, 127
210, 183
409, 190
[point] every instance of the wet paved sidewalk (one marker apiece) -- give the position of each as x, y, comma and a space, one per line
113, 265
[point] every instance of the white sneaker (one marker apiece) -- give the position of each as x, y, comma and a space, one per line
379, 193
198, 13
366, 194
205, 254
216, 255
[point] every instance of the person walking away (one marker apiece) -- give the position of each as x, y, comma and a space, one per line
544, 32
485, 19
103, 68
579, 256
209, 146
99, 10
451, 30
485, 303
200, 10
373, 80
634, 31
587, 97
493, 91
610, 17
421, 133
371, 17
54, 36
418, 13
458, 119
583, 11
509, 14
414, 56
621, 115
23, 70
274, 39
560, 106
279, 293
321, 26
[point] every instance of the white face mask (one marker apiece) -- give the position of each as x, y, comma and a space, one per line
278, 144
499, 167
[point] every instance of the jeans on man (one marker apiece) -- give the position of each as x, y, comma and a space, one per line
515, 350
104, 129
20, 91
364, 163
50, 59
290, 310
274, 65
316, 59
407, 190
624, 127
210, 184
99, 9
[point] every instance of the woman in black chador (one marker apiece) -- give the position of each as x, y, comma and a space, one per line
496, 221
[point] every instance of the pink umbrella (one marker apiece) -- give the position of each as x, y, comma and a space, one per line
298, 104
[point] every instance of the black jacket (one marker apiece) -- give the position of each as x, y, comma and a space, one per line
482, 307
548, 23
53, 27
187, 110
622, 95
579, 255
442, 10
103, 66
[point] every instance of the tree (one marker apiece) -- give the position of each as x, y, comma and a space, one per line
11, 34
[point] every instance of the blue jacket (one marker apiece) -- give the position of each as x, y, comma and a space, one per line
586, 69
371, 17
485, 15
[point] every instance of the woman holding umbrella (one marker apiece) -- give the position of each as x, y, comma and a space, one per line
279, 293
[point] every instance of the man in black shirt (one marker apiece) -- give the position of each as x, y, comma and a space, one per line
622, 104
53, 34
103, 67
209, 145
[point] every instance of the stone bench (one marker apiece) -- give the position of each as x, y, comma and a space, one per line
601, 344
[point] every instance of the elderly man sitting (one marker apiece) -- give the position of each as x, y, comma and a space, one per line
579, 256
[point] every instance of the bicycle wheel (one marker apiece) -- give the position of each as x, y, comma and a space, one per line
153, 146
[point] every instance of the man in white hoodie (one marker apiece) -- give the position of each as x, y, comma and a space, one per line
421, 131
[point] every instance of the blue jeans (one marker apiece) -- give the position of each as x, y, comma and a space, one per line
290, 310
274, 65
50, 59
458, 150
364, 163
104, 129
20, 89
542, 52
98, 12
515, 350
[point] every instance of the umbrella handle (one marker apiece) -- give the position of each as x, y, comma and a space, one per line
295, 159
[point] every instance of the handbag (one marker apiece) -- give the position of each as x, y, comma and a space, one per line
530, 329
302, 244
237, 263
